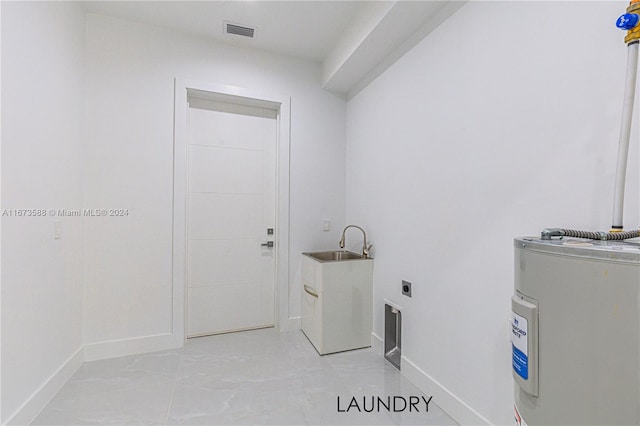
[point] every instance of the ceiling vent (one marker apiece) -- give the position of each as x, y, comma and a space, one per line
240, 30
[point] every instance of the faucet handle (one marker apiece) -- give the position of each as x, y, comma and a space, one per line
365, 250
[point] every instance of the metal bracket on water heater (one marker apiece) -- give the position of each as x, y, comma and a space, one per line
549, 233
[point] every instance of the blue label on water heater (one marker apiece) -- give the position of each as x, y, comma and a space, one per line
519, 345
520, 363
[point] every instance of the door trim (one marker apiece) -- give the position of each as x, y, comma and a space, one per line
249, 97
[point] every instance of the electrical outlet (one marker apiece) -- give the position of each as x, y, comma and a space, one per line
57, 230
326, 225
406, 288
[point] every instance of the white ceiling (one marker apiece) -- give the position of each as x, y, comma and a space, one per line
303, 29
354, 41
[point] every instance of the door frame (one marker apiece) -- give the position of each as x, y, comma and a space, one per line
248, 97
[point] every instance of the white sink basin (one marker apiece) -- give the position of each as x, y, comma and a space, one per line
334, 256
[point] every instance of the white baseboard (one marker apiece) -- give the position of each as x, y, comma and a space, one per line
377, 344
28, 411
442, 397
290, 324
134, 346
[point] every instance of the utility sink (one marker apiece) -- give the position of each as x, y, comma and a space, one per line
337, 300
334, 256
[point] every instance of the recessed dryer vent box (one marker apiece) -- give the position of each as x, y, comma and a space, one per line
392, 335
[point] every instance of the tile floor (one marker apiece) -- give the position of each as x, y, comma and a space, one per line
258, 377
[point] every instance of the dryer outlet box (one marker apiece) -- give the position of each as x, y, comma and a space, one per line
406, 288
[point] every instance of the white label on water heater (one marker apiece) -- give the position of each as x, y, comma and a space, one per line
520, 348
524, 342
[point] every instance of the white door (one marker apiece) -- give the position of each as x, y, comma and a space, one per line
231, 210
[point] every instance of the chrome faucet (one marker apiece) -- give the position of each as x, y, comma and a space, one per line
365, 248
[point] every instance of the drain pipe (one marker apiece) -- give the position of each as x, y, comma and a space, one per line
630, 22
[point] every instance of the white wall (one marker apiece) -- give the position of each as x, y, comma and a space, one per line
502, 122
42, 142
129, 163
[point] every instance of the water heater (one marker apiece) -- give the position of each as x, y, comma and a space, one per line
575, 331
